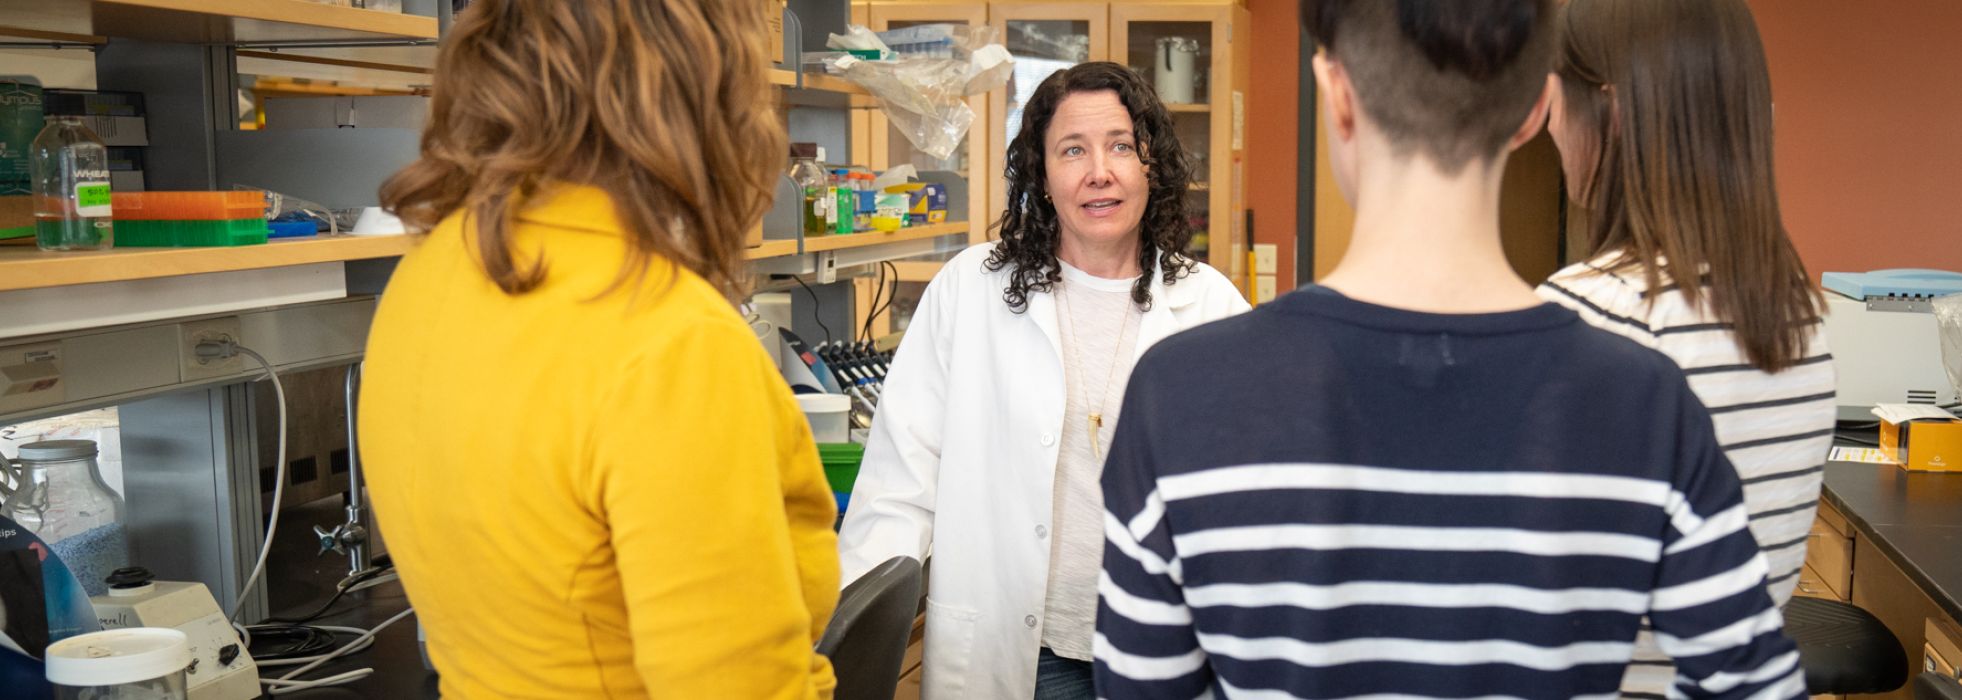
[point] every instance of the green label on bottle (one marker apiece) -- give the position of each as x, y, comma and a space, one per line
92, 198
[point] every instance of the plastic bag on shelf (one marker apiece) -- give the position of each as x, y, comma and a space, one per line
924, 92
285, 207
1948, 321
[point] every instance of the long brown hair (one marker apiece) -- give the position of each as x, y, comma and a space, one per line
1676, 98
661, 103
1030, 232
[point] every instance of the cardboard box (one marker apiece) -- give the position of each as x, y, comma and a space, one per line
17, 217
775, 28
1921, 440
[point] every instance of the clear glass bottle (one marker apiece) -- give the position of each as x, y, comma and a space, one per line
811, 182
58, 494
70, 168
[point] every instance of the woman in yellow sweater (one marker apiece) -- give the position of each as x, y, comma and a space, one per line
591, 478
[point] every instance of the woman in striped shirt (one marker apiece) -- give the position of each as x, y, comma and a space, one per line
1664, 128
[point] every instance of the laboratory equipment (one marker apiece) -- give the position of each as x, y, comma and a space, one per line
57, 493
220, 668
144, 663
190, 219
1884, 339
70, 169
1177, 72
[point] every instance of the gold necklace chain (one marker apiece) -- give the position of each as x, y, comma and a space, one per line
1103, 402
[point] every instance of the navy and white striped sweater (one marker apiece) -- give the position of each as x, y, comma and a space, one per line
1371, 502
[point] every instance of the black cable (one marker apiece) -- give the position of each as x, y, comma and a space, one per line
1858, 440
890, 297
877, 293
339, 590
304, 641
816, 307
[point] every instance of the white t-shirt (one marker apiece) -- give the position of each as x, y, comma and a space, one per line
1775, 428
1099, 327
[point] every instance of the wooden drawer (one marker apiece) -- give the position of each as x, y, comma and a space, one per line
1942, 651
1829, 554
1812, 585
1834, 519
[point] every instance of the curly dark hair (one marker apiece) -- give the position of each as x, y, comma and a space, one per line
1028, 230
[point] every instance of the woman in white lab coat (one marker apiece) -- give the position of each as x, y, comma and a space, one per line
988, 445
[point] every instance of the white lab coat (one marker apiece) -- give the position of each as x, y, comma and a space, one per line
962, 457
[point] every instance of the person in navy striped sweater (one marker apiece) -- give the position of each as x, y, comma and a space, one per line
1418, 479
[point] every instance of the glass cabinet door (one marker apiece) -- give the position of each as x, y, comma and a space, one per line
1043, 39
968, 163
1186, 53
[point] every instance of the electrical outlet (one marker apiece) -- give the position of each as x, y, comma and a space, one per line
1264, 259
1263, 288
211, 329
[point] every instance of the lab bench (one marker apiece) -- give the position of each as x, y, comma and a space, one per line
1890, 541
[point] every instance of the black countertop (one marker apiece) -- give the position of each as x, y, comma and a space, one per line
1915, 518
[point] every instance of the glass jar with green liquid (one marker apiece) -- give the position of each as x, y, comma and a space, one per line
70, 169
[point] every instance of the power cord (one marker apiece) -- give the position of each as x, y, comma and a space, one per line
361, 581
816, 307
289, 683
226, 348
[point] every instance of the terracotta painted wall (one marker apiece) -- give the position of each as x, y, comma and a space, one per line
1271, 128
1869, 119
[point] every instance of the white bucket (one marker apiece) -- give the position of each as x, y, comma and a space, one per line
830, 416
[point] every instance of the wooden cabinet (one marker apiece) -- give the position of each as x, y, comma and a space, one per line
970, 162
1208, 101
1044, 38
1829, 556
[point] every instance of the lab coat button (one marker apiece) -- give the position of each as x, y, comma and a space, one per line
1048, 439
1042, 531
1030, 621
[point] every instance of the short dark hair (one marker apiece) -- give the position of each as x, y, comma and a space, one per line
1452, 79
1030, 232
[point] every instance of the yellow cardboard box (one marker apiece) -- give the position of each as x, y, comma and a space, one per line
775, 28
1924, 444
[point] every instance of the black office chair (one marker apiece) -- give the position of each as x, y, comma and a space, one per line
1843, 649
866, 639
1934, 686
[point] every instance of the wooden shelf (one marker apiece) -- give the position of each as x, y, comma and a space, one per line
23, 267
816, 81
872, 238
918, 270
1189, 108
771, 249
211, 21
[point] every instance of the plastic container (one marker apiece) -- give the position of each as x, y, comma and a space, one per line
58, 494
841, 464
830, 416
845, 202
291, 229
190, 234
143, 663
190, 206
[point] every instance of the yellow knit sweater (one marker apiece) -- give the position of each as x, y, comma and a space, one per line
593, 495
